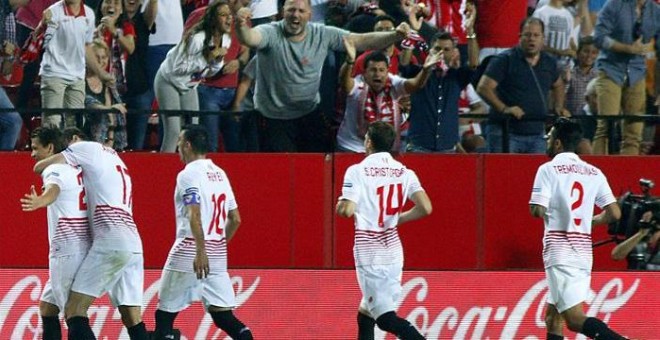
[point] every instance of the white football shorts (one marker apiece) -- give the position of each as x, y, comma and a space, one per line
62, 270
568, 286
178, 290
380, 286
118, 273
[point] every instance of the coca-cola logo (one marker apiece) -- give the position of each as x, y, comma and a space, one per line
465, 305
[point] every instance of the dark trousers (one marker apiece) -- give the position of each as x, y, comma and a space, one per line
309, 133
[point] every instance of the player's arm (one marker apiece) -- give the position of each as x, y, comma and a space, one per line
201, 262
345, 208
537, 210
233, 222
611, 213
41, 165
32, 201
421, 209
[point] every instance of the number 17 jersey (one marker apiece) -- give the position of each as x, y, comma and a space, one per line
205, 184
379, 186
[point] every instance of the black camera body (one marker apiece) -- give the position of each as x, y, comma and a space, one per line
633, 207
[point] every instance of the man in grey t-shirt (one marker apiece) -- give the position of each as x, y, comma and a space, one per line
291, 54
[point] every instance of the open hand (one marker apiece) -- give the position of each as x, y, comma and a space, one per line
31, 201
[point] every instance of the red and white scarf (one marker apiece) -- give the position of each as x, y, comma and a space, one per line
380, 106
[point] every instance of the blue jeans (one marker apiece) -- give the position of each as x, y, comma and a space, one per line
517, 143
219, 99
10, 124
136, 123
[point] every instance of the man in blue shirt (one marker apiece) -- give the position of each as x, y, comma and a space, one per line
517, 83
624, 31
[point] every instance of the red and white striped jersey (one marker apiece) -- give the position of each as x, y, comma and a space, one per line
205, 184
68, 227
568, 188
379, 186
109, 196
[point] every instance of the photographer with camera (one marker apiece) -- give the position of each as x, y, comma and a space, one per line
641, 249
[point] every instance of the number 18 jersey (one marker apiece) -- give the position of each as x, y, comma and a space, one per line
568, 188
379, 186
205, 184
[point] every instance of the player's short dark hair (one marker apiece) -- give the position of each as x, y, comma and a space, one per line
382, 136
376, 57
568, 132
197, 137
384, 18
442, 35
49, 135
532, 20
68, 133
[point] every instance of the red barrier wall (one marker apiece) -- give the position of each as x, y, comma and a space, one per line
480, 218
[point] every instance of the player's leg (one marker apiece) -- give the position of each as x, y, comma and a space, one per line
50, 320
177, 291
76, 316
218, 297
402, 328
553, 323
126, 294
593, 328
366, 325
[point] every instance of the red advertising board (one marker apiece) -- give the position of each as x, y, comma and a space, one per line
322, 304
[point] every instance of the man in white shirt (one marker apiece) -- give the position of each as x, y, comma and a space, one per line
564, 193
114, 264
375, 191
69, 235
207, 218
69, 26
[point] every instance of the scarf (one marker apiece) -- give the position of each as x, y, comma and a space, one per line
379, 106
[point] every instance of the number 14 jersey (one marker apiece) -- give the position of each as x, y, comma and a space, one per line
379, 186
201, 183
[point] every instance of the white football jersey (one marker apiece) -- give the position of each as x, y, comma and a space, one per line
109, 195
568, 188
204, 183
380, 187
68, 227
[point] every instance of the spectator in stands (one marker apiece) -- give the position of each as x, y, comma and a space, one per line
119, 35
559, 26
624, 34
384, 23
199, 55
10, 122
434, 113
67, 52
138, 94
244, 102
28, 18
496, 27
288, 74
588, 111
373, 96
109, 128
516, 83
583, 72
217, 93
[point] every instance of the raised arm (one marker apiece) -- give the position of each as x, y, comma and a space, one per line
379, 40
416, 83
248, 36
345, 79
150, 12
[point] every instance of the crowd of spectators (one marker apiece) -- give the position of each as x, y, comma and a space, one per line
310, 75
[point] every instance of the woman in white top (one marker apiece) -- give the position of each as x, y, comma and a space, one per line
199, 55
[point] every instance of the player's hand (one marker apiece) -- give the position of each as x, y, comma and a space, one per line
31, 201
201, 264
515, 111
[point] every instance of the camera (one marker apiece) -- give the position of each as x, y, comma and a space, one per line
633, 206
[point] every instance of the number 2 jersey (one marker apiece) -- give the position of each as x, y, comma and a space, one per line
109, 196
201, 183
68, 227
568, 188
379, 186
